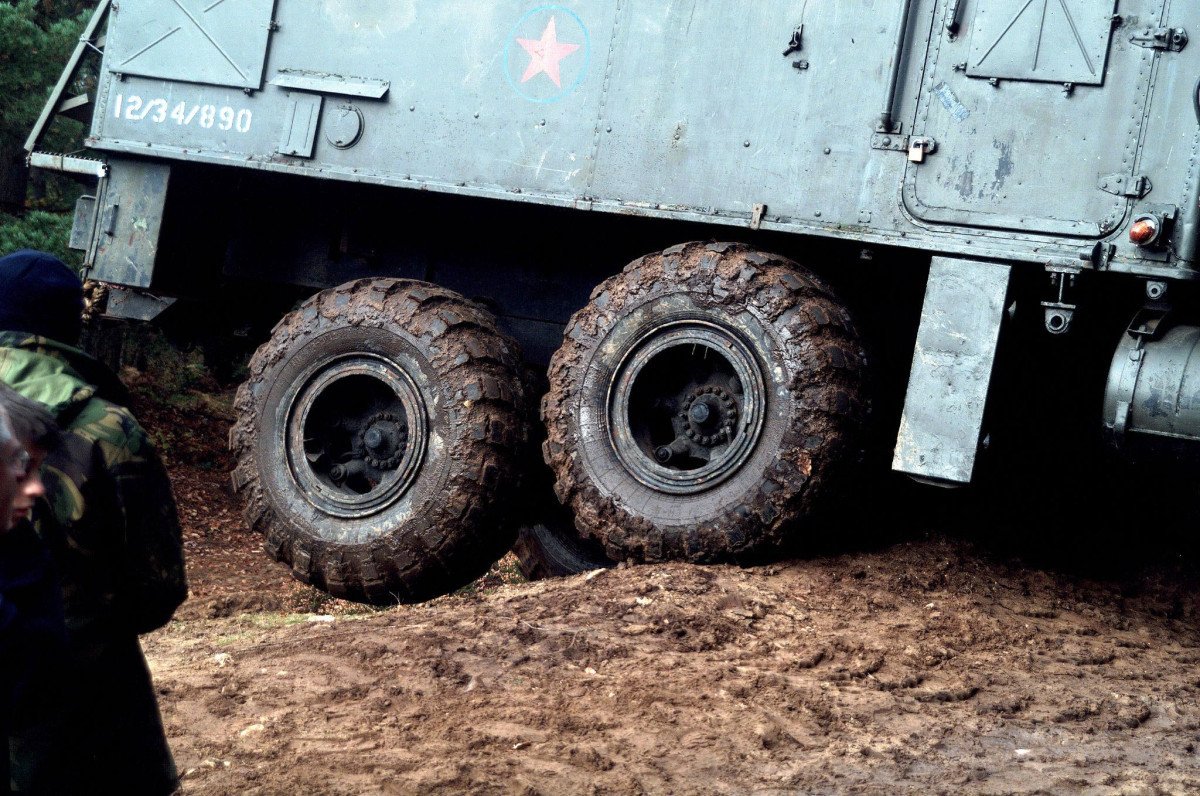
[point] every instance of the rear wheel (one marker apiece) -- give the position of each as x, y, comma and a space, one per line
555, 550
702, 404
377, 440
547, 545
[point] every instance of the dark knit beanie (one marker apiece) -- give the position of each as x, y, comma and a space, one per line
39, 294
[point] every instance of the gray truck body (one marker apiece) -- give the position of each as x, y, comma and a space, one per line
989, 135
1054, 122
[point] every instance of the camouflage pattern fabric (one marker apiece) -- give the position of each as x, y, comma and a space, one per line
114, 535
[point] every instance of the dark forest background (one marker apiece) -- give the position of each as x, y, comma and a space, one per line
36, 40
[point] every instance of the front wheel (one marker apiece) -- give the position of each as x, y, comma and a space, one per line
702, 404
377, 439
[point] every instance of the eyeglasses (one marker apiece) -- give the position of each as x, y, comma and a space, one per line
19, 463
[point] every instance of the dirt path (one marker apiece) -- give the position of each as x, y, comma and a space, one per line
925, 667
922, 668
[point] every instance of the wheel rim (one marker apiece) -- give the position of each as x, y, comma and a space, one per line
686, 406
355, 435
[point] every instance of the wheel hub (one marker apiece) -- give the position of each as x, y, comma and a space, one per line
356, 435
384, 441
711, 416
686, 406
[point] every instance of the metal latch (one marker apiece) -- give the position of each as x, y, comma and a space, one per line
1136, 185
1170, 39
108, 216
893, 142
919, 147
1099, 256
794, 45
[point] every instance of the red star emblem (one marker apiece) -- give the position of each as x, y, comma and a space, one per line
545, 53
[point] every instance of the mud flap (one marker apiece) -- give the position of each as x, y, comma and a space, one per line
951, 370
128, 222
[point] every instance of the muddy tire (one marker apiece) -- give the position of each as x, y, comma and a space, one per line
550, 547
703, 404
547, 545
377, 439
556, 551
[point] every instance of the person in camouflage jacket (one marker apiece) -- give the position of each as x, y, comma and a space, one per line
112, 530
34, 655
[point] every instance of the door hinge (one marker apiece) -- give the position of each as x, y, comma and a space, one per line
1170, 39
1135, 185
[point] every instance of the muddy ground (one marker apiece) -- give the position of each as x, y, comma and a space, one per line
928, 663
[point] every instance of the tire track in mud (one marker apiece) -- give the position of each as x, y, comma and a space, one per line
924, 668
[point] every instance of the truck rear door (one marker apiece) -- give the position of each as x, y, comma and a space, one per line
1036, 109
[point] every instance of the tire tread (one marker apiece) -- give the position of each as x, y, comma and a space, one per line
469, 354
828, 382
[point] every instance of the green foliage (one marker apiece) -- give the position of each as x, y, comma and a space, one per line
36, 39
48, 232
173, 372
50, 10
173, 393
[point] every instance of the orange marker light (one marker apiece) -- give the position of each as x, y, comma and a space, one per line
1143, 232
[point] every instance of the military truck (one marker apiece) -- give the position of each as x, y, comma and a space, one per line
696, 217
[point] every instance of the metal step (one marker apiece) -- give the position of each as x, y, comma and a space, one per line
68, 164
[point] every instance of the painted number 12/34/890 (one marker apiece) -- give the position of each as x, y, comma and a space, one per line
158, 110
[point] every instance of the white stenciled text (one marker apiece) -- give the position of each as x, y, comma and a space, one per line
160, 111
